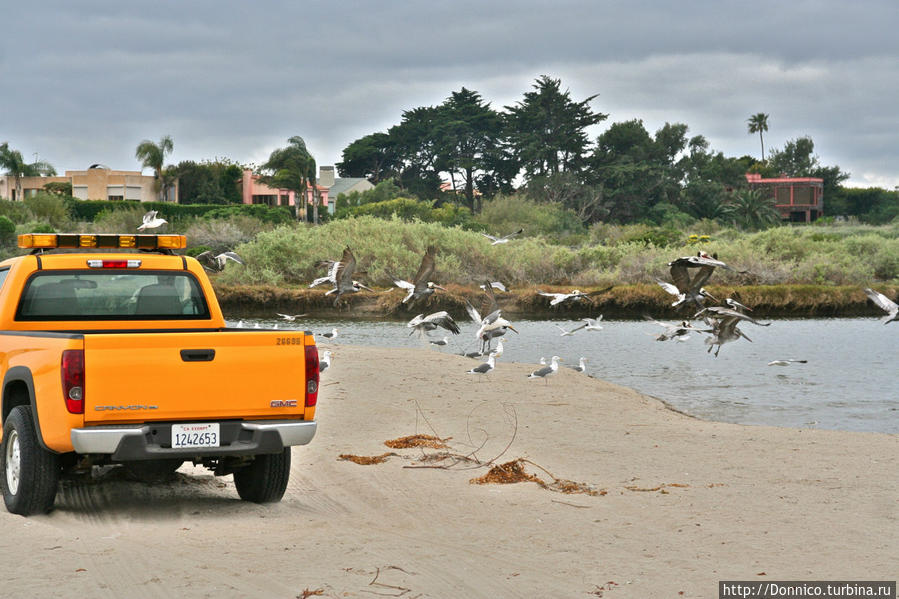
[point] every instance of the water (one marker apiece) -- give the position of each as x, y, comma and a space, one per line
849, 383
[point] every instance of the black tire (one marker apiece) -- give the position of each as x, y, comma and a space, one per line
29, 474
265, 479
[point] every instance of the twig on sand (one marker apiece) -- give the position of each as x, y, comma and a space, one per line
374, 583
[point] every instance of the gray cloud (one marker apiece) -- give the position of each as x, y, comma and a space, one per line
87, 81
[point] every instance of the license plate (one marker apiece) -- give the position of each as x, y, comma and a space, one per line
195, 435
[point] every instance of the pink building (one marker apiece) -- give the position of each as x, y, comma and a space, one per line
798, 199
255, 192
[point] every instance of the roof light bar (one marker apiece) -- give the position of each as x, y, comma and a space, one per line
113, 263
101, 241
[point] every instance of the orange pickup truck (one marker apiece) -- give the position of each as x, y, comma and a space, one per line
114, 350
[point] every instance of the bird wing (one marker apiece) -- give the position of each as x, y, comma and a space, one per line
475, 316
343, 276
680, 276
575, 329
673, 290
403, 284
882, 301
511, 235
488, 304
425, 269
490, 237
542, 371
231, 256
701, 277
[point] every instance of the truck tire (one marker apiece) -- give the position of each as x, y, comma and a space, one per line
29, 474
265, 479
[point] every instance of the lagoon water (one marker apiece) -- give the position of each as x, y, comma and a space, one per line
851, 380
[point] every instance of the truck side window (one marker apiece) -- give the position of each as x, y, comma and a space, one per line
3, 274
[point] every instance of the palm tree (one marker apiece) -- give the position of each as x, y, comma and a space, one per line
293, 168
15, 165
152, 155
751, 209
757, 124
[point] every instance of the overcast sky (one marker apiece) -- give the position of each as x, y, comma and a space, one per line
84, 82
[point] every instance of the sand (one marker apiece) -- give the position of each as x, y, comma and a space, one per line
677, 503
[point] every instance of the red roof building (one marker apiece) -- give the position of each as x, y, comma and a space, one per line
798, 199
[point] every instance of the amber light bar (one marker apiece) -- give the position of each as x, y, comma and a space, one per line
101, 241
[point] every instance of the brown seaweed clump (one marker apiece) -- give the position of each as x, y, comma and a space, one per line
418, 441
514, 472
364, 460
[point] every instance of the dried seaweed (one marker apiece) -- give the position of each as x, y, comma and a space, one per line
418, 441
366, 460
514, 472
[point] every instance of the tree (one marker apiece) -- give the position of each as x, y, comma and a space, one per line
419, 151
758, 123
293, 168
467, 130
373, 157
152, 155
547, 129
750, 209
16, 167
208, 182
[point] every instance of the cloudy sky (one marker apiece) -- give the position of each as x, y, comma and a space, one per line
85, 82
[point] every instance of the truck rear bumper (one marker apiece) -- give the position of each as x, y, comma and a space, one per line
153, 441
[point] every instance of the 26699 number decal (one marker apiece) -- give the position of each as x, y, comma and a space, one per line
288, 341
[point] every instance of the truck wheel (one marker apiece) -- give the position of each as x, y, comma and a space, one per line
265, 479
29, 474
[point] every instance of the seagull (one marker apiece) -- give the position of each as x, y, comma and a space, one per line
420, 287
582, 366
440, 342
216, 263
290, 317
324, 362
593, 323
571, 332
498, 352
677, 331
885, 304
492, 325
495, 285
542, 361
702, 259
505, 239
786, 362
486, 367
151, 221
332, 335
432, 321
558, 298
544, 372
343, 276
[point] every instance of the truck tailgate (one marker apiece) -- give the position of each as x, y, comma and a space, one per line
206, 375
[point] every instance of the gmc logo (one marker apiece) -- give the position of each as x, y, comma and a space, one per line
284, 403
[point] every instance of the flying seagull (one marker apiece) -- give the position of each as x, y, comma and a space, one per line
677, 331
544, 372
216, 263
495, 285
558, 298
885, 304
151, 221
504, 239
786, 362
432, 321
566, 333
421, 286
492, 325
290, 317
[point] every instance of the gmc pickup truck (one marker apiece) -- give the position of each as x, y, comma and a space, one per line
114, 350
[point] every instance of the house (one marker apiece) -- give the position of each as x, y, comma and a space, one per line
255, 192
98, 182
798, 199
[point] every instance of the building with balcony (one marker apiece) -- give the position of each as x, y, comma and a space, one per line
798, 199
98, 182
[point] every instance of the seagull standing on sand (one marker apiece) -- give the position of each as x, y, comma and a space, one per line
420, 287
332, 335
324, 362
151, 221
546, 371
504, 239
486, 367
581, 366
885, 304
440, 342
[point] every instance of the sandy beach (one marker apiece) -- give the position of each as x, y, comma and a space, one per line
672, 505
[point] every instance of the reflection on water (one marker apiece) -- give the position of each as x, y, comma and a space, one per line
849, 383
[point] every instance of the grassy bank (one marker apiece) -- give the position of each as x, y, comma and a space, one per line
622, 301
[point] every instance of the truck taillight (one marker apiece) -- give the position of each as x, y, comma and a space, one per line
73, 380
311, 376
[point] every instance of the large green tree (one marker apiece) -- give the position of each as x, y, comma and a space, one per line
547, 129
419, 150
293, 167
152, 155
758, 123
373, 157
467, 130
208, 182
15, 166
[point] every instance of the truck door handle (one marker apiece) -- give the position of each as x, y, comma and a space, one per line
197, 355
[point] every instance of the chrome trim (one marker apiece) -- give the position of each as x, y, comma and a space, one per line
292, 432
104, 439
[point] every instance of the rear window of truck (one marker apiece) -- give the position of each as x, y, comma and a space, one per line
112, 295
